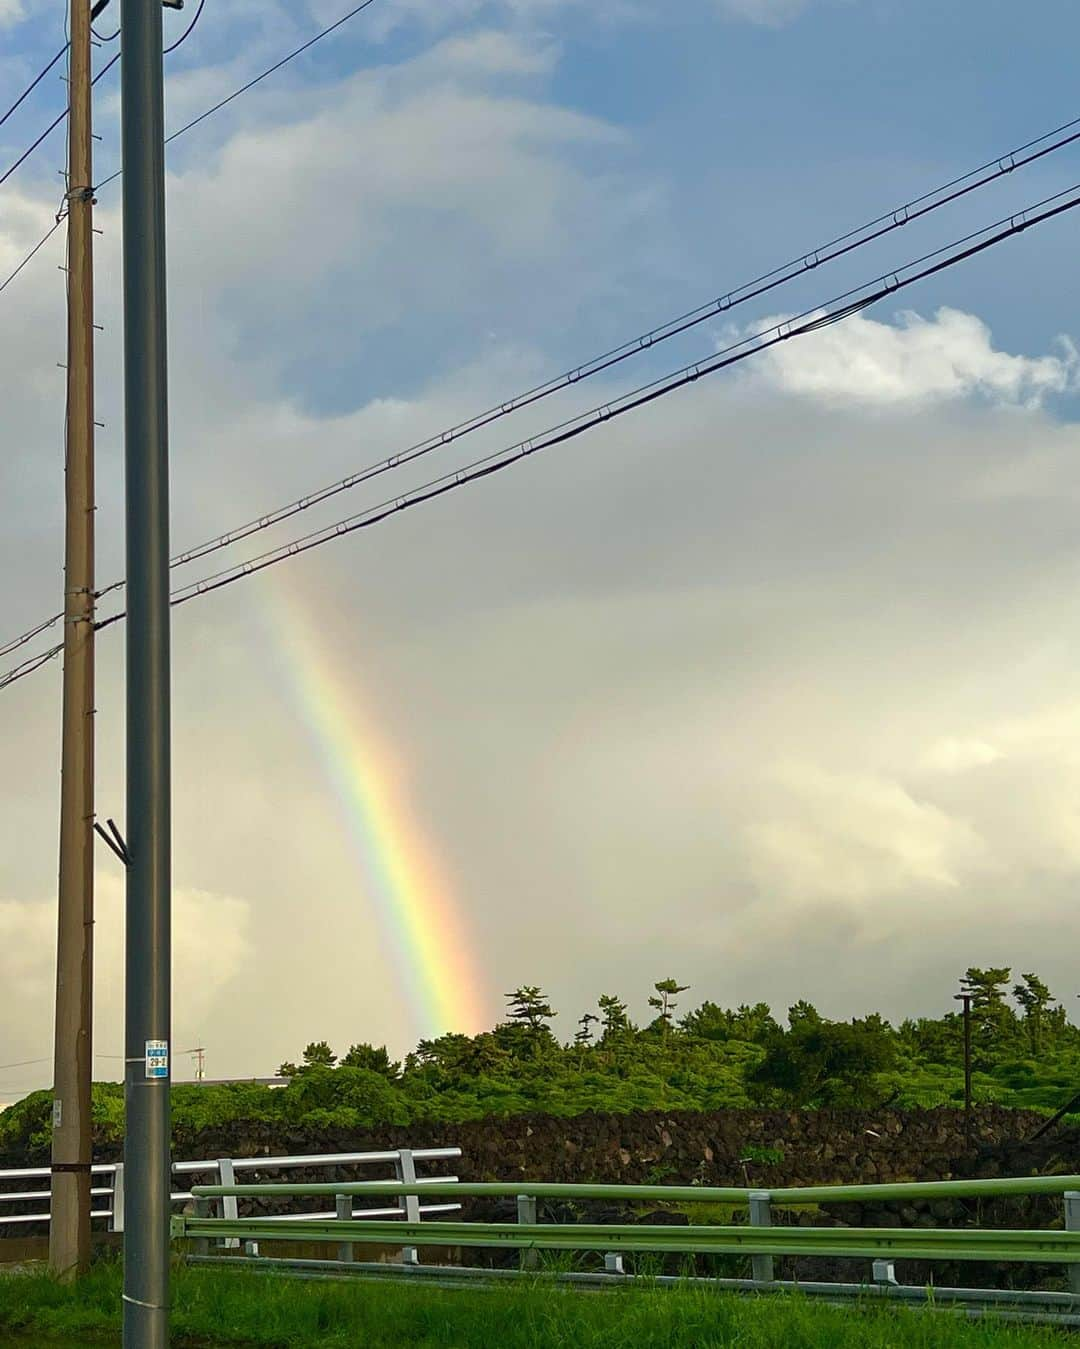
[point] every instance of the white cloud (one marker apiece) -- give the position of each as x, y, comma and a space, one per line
11, 11
771, 13
27, 949
912, 361
596, 661
211, 945
951, 755
853, 837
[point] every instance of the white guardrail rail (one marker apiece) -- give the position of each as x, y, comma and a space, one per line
107, 1187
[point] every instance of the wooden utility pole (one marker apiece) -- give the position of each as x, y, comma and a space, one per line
69, 1231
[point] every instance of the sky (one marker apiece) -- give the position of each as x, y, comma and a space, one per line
769, 687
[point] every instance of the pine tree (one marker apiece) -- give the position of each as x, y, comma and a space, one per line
1035, 998
664, 1003
584, 1035
613, 1016
529, 1007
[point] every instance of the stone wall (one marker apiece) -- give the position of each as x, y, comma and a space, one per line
764, 1149
727, 1147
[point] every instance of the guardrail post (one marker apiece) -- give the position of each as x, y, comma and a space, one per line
760, 1204
345, 1250
613, 1263
202, 1210
116, 1211
229, 1207
1072, 1224
526, 1213
885, 1274
405, 1166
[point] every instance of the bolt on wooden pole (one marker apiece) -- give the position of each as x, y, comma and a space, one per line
69, 1231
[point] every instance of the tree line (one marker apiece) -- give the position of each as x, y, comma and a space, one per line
683, 1057
713, 1055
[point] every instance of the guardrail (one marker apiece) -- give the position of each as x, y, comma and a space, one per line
225, 1169
757, 1237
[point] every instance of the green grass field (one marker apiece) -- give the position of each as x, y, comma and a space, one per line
212, 1307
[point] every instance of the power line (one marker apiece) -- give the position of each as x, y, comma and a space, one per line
32, 254
29, 665
808, 322
202, 116
33, 84
61, 117
25, 1063
778, 276
187, 31
257, 80
768, 281
885, 285
29, 636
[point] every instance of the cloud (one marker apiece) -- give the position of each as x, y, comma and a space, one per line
11, 11
960, 756
211, 944
769, 13
852, 837
766, 686
914, 360
27, 949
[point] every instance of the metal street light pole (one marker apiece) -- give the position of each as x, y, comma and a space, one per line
147, 1011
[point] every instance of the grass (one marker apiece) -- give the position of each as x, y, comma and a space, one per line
233, 1308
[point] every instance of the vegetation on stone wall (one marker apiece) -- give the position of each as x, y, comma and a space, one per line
709, 1058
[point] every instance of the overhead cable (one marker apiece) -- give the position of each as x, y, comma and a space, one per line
768, 281
257, 80
202, 116
808, 322
33, 84
432, 443
33, 252
61, 117
187, 31
29, 665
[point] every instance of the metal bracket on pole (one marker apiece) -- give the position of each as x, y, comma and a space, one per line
405, 1167
116, 1213
202, 1210
229, 1206
346, 1252
526, 1213
116, 842
760, 1203
1072, 1224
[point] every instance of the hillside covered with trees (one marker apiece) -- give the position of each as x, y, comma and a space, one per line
1025, 1054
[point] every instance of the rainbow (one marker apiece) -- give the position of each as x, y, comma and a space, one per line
421, 922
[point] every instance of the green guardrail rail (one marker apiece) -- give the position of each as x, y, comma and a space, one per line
884, 1242
705, 1194
755, 1238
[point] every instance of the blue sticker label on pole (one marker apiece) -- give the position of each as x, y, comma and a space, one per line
157, 1058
